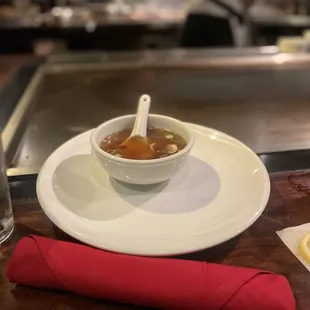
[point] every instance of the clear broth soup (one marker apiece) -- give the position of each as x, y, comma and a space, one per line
162, 143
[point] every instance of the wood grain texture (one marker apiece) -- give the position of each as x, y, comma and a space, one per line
258, 247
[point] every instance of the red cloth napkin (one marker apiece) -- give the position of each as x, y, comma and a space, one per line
155, 282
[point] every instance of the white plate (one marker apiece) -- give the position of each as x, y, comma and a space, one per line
220, 193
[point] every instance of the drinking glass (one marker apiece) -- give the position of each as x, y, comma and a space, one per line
6, 215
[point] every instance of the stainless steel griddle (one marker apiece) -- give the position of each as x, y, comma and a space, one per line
255, 95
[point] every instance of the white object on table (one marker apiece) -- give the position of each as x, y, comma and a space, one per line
140, 124
291, 237
222, 191
142, 171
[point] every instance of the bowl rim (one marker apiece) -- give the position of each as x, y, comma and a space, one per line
101, 152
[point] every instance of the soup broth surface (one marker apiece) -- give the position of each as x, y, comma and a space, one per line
162, 143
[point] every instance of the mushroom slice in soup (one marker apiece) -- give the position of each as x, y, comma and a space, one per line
170, 149
152, 147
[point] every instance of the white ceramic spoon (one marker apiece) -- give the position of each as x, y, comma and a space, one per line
136, 146
140, 125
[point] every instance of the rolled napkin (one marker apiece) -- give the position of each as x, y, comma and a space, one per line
153, 282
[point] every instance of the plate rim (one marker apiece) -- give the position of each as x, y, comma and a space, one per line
85, 240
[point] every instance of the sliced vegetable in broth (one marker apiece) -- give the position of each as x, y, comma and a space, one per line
162, 143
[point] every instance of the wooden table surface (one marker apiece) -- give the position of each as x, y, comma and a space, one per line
257, 247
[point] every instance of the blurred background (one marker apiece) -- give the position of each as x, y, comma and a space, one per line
42, 26
239, 66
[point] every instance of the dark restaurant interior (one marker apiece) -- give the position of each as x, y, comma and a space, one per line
234, 72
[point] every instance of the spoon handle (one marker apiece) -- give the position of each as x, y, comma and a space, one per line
140, 125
